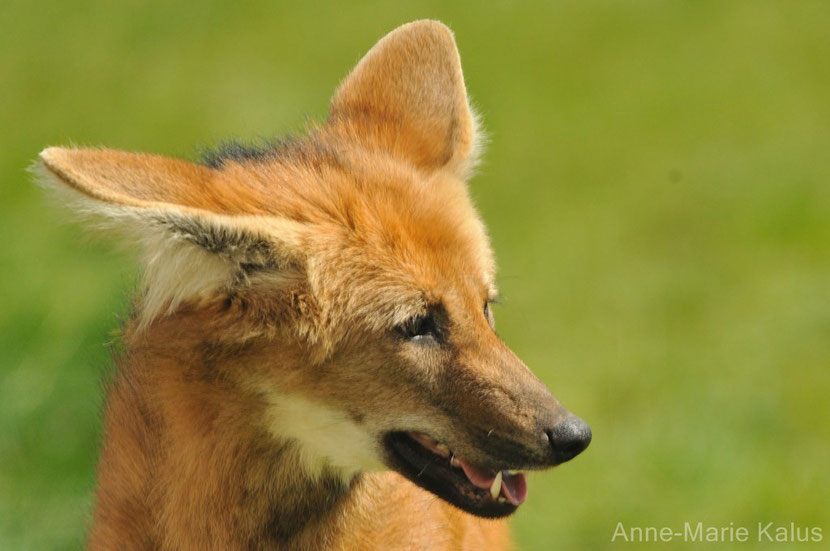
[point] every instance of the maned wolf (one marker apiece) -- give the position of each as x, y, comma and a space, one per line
313, 359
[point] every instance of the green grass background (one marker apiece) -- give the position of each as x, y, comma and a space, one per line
657, 186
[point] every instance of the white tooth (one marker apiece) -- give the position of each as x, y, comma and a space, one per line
454, 462
495, 489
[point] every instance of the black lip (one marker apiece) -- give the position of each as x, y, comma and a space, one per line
434, 474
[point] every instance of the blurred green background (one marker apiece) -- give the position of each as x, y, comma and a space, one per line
657, 186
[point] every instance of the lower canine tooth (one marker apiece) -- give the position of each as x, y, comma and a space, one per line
495, 489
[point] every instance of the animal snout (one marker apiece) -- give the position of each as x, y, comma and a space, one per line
568, 438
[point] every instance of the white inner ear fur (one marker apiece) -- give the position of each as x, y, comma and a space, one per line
174, 268
326, 438
176, 271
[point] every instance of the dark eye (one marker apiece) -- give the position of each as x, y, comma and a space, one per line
419, 328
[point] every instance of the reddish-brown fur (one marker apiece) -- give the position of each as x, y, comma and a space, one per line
306, 259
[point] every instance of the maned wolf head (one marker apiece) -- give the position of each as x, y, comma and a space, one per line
338, 285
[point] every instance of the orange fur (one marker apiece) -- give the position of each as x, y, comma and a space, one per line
266, 365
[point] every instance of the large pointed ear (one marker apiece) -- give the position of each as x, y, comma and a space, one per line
407, 97
190, 223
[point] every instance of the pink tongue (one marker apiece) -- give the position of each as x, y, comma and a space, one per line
479, 477
513, 486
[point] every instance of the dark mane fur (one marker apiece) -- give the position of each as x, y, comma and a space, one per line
239, 150
307, 150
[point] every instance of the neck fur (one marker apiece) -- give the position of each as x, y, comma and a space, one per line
185, 465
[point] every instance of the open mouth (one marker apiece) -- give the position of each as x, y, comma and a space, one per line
434, 467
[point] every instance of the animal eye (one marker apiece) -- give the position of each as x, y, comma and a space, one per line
419, 328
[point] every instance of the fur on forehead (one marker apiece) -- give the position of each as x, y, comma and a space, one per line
387, 239
400, 239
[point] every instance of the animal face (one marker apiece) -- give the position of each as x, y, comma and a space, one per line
353, 269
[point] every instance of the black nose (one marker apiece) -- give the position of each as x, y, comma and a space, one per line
569, 438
